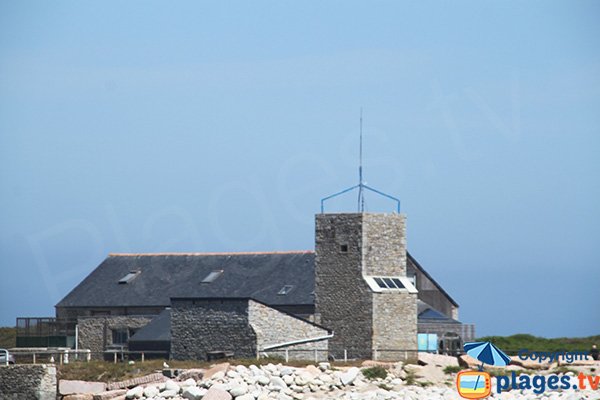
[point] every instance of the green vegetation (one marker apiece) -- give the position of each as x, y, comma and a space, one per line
385, 387
8, 338
452, 369
375, 373
410, 378
512, 344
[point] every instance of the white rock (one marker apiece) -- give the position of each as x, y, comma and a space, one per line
278, 383
193, 393
288, 379
151, 391
167, 394
263, 380
172, 386
324, 366
349, 376
135, 393
187, 383
238, 390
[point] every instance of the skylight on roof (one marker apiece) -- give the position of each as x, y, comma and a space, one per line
212, 276
129, 277
285, 290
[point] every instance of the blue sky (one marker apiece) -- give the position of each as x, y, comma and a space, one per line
218, 126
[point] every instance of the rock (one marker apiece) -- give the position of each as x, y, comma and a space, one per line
135, 393
467, 361
349, 376
167, 394
528, 364
85, 396
80, 387
245, 397
279, 383
196, 374
288, 379
238, 390
172, 386
438, 360
110, 394
193, 393
323, 366
151, 391
287, 371
223, 367
216, 394
263, 380
187, 383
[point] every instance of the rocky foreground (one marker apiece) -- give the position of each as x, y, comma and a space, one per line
411, 382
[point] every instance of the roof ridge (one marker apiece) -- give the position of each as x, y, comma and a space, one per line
210, 253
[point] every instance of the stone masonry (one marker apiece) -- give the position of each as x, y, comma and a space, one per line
274, 327
348, 247
28, 382
240, 326
95, 333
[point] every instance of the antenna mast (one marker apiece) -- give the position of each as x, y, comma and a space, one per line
361, 196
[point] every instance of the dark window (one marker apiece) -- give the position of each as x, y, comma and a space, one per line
380, 283
389, 283
120, 336
344, 248
398, 283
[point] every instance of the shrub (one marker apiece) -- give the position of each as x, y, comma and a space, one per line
375, 373
451, 369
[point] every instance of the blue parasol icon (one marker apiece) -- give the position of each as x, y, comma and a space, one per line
487, 353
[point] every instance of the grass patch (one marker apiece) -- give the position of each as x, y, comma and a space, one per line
424, 384
385, 387
8, 338
411, 378
376, 372
512, 344
451, 369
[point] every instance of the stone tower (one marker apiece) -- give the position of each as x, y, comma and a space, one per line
361, 289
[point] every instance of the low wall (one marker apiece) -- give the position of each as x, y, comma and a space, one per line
28, 382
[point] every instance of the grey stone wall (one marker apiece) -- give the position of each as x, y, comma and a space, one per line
28, 382
199, 326
343, 299
394, 324
95, 333
347, 247
274, 327
384, 243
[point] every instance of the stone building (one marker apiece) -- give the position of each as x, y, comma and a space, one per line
360, 294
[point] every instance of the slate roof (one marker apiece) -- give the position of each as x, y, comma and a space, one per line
416, 264
426, 313
159, 329
162, 276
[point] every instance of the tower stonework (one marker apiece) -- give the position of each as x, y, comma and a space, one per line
350, 248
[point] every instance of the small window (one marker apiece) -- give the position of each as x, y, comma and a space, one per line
389, 283
398, 283
120, 336
129, 277
285, 290
212, 276
344, 248
380, 283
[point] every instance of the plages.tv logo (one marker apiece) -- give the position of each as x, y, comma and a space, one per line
478, 384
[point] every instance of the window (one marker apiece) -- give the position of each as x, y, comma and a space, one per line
212, 276
120, 336
129, 277
389, 283
344, 248
285, 290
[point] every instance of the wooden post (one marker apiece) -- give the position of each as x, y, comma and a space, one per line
34, 358
143, 358
115, 357
287, 355
345, 355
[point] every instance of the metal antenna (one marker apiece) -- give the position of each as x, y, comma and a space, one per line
361, 196
361, 184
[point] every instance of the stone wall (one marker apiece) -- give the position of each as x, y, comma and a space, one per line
384, 244
95, 333
28, 382
394, 324
274, 327
342, 297
201, 325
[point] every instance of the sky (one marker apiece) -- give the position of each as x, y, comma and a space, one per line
188, 126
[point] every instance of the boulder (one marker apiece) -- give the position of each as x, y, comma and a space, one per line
193, 393
87, 396
80, 387
216, 394
167, 394
278, 383
151, 391
172, 386
528, 364
135, 393
467, 361
238, 390
438, 360
110, 394
349, 376
196, 374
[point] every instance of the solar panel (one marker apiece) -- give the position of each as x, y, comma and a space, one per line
380, 282
212, 276
398, 283
129, 277
285, 290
